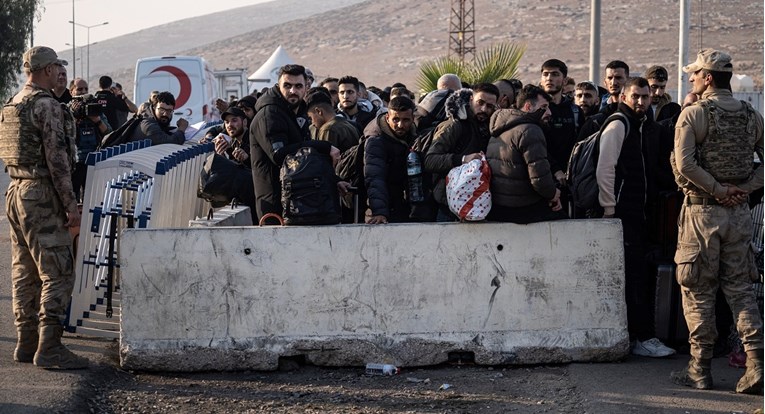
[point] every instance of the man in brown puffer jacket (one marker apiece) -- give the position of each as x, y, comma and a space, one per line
522, 185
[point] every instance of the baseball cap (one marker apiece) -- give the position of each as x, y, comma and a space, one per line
710, 59
233, 111
39, 57
656, 72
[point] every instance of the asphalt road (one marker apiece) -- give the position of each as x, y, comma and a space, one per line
638, 385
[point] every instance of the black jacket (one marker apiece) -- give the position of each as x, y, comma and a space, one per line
158, 134
385, 170
111, 104
361, 119
517, 155
452, 139
276, 131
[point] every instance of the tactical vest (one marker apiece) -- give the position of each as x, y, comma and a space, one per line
20, 141
727, 151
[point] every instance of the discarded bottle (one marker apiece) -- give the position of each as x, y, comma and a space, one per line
381, 369
414, 177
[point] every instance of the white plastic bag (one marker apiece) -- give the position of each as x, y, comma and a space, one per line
467, 190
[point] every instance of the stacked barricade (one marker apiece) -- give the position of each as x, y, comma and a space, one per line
133, 185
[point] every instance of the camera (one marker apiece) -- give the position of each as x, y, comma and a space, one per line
85, 105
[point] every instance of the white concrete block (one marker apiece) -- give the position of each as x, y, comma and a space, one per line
240, 298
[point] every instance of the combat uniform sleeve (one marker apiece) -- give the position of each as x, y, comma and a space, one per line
610, 148
690, 131
49, 118
755, 181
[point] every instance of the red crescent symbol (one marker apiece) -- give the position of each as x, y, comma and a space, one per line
183, 80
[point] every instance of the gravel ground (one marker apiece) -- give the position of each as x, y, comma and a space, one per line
308, 389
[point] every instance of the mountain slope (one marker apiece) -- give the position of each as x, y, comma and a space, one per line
383, 42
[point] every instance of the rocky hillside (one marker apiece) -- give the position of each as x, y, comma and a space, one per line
383, 42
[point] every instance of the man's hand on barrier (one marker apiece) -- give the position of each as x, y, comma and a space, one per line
182, 124
377, 220
555, 204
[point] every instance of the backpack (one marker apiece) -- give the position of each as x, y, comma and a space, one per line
583, 164
121, 135
309, 189
222, 180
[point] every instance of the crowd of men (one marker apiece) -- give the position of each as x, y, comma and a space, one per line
649, 145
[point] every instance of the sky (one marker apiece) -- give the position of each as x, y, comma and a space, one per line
123, 17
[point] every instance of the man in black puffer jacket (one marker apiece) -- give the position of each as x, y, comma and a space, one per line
280, 127
522, 185
388, 139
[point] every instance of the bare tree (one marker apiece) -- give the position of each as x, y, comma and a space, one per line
16, 23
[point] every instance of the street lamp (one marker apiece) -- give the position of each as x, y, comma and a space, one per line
88, 52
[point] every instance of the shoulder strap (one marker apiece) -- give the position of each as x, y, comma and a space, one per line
617, 116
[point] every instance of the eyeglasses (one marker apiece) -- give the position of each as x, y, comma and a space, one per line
168, 111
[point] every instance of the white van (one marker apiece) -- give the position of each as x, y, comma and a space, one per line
189, 78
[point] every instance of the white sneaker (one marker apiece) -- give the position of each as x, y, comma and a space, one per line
652, 348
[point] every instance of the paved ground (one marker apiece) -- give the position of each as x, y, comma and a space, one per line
637, 385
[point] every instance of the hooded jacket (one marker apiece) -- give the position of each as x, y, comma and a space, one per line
665, 109
460, 134
276, 131
517, 155
385, 170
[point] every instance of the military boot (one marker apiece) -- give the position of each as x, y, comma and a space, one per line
751, 382
26, 345
51, 353
698, 374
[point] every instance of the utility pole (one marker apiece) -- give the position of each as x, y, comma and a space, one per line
595, 41
682, 55
462, 29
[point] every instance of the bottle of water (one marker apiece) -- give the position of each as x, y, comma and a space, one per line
381, 369
414, 177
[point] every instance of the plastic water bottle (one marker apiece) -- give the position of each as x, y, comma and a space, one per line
414, 177
381, 369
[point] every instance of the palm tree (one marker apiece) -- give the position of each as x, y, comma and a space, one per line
497, 62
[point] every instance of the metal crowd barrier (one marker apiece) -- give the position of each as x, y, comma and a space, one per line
131, 185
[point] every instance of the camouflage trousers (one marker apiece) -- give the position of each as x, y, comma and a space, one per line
714, 252
41, 248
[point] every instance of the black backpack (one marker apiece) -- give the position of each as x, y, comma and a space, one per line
121, 135
309, 189
583, 165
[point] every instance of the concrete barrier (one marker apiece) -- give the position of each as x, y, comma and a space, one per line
409, 294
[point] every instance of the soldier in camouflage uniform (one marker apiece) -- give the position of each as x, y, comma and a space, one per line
715, 140
37, 147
